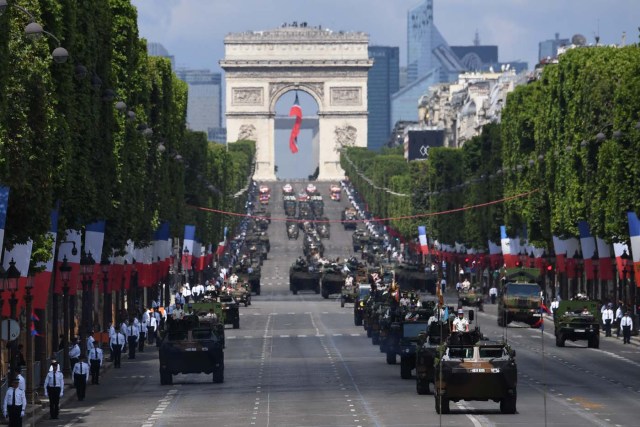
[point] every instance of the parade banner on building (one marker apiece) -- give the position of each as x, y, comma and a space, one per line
588, 245
634, 237
42, 280
296, 111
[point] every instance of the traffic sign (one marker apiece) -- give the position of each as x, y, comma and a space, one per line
14, 329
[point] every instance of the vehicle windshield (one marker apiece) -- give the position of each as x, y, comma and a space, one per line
524, 289
460, 352
411, 330
491, 353
364, 292
202, 334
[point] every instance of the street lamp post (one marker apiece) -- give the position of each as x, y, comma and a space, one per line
625, 274
11, 284
125, 268
87, 264
106, 295
597, 285
65, 273
28, 299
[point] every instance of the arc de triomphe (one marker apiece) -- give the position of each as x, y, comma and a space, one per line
330, 66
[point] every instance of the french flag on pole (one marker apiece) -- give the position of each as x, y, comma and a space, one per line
619, 249
296, 111
4, 203
606, 266
560, 250
510, 248
21, 255
422, 236
495, 254
161, 251
588, 244
572, 245
42, 280
634, 235
187, 247
93, 242
65, 249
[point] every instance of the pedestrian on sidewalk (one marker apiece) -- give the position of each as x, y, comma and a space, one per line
21, 381
142, 337
619, 314
54, 389
15, 403
493, 294
74, 352
96, 357
626, 324
116, 342
81, 376
607, 319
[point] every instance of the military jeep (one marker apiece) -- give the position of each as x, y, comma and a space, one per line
577, 320
471, 368
192, 345
519, 297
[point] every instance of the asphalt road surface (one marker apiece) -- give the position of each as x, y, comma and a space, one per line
300, 361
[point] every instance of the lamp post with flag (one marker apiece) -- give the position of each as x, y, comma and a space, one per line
106, 295
10, 283
87, 264
626, 270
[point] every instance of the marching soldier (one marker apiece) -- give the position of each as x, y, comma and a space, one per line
15, 403
81, 376
96, 357
142, 337
74, 352
116, 342
54, 389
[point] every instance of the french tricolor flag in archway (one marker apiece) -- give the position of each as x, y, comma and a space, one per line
296, 111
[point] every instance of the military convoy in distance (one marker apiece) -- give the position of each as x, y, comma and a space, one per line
323, 228
470, 298
414, 277
349, 218
317, 205
577, 320
519, 297
303, 276
471, 368
192, 345
290, 204
293, 229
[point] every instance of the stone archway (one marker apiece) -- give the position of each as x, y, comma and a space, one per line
330, 66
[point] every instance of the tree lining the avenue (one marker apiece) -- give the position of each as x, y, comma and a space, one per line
103, 134
574, 134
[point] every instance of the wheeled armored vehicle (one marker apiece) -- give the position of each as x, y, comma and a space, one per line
577, 320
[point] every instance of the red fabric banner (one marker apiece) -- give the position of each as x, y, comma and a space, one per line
296, 111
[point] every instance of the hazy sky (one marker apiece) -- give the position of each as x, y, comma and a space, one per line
193, 30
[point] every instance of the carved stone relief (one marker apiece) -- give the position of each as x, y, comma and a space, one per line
346, 96
247, 133
248, 96
345, 136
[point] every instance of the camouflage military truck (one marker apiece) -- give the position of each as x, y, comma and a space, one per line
224, 306
577, 320
471, 298
192, 345
414, 277
242, 294
519, 297
426, 353
303, 276
470, 368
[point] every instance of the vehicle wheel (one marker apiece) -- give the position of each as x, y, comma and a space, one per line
246, 303
375, 338
501, 321
422, 387
442, 405
249, 301
258, 291
391, 358
295, 291
594, 342
218, 374
166, 378
559, 340
357, 320
325, 294
508, 405
369, 333
342, 302
405, 369
236, 324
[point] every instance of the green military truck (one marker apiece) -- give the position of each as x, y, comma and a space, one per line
192, 345
577, 320
471, 368
519, 297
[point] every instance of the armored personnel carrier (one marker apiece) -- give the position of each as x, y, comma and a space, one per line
349, 217
519, 297
577, 320
289, 204
192, 345
471, 298
324, 228
293, 229
304, 276
317, 205
332, 280
414, 277
470, 368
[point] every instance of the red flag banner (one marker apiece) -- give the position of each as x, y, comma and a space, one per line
296, 111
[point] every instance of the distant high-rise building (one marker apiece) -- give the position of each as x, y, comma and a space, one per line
156, 49
204, 106
549, 48
430, 60
384, 81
